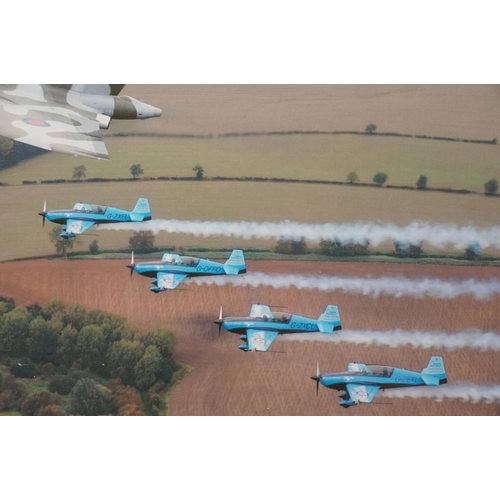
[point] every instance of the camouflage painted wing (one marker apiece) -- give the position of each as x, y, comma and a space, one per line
93, 88
260, 340
170, 281
362, 393
53, 128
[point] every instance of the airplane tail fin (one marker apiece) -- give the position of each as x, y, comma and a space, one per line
236, 263
141, 211
435, 373
329, 321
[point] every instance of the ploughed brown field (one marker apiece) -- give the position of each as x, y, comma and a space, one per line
226, 381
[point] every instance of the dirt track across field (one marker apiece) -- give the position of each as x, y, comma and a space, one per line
226, 381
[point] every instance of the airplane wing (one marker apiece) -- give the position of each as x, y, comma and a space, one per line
170, 281
362, 393
357, 367
78, 226
259, 311
52, 127
93, 88
260, 340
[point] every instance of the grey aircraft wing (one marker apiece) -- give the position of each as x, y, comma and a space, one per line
28, 115
93, 88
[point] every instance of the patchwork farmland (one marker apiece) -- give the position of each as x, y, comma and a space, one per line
226, 381
196, 128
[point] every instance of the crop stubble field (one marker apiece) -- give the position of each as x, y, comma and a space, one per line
22, 234
226, 381
323, 157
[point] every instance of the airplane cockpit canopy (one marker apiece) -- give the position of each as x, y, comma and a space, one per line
281, 317
381, 371
277, 318
174, 259
89, 209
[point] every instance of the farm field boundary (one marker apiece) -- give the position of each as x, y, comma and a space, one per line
267, 254
446, 164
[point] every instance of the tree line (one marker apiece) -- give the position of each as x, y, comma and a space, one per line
75, 351
336, 248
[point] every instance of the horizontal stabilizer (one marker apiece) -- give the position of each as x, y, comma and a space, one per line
430, 379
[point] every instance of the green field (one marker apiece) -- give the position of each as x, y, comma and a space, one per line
316, 157
22, 234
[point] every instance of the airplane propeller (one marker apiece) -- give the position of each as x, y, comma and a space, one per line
316, 378
219, 321
44, 213
131, 266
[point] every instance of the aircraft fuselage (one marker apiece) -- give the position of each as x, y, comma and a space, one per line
190, 266
398, 378
292, 324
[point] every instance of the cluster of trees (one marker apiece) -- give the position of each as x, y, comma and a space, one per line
142, 242
491, 187
291, 246
337, 248
379, 178
80, 172
70, 347
62, 245
408, 249
199, 171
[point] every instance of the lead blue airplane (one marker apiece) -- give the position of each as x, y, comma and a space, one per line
261, 328
83, 216
360, 383
173, 269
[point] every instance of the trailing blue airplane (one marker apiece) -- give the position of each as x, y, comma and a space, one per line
360, 383
261, 328
173, 269
83, 216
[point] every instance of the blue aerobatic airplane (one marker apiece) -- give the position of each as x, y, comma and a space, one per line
360, 383
83, 216
173, 269
261, 328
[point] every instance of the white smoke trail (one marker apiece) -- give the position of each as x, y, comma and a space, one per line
466, 392
436, 235
372, 287
482, 341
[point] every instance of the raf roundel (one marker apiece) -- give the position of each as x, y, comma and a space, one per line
36, 123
